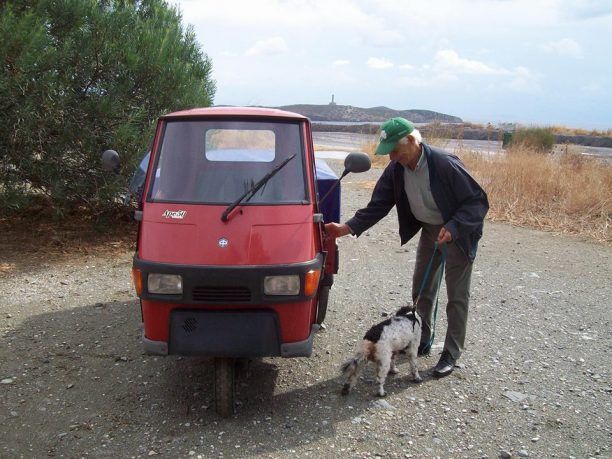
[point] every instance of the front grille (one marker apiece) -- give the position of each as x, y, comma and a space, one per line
221, 294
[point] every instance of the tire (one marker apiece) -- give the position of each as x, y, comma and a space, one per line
224, 386
322, 303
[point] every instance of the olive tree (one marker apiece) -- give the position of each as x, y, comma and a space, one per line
82, 76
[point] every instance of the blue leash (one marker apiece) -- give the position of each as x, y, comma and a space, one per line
424, 282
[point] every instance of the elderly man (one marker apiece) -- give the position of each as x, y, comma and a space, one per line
434, 193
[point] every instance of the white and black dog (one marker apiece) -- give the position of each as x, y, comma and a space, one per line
399, 334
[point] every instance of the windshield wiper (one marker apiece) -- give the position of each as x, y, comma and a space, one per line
255, 188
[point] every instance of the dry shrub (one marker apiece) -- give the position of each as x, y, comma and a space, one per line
378, 161
438, 134
535, 139
564, 130
567, 193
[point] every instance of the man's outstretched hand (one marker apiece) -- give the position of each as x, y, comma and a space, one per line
337, 229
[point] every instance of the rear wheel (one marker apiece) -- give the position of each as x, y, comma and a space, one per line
322, 303
224, 386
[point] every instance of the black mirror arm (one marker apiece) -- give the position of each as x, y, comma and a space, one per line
334, 186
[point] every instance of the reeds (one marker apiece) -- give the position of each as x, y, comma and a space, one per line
564, 130
566, 192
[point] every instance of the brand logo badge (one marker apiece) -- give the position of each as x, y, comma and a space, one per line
223, 243
175, 214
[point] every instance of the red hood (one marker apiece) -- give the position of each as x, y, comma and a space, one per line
254, 235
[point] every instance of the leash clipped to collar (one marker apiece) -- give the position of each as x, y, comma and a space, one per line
443, 249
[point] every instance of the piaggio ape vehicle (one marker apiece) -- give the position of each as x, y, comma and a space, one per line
232, 260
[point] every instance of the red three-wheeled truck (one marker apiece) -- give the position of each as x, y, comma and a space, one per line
232, 260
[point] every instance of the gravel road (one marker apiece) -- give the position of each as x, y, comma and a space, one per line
534, 380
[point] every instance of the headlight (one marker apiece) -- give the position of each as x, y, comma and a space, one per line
165, 284
282, 285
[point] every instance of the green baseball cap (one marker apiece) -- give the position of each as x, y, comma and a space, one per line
391, 132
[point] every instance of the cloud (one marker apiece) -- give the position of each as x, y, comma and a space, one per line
384, 39
268, 47
379, 63
564, 47
341, 62
523, 80
592, 88
586, 9
406, 67
448, 68
285, 13
449, 61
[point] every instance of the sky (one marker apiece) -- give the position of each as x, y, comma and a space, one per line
535, 62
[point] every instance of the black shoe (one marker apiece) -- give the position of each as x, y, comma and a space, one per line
445, 366
424, 349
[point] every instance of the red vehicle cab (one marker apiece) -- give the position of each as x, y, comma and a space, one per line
218, 275
231, 259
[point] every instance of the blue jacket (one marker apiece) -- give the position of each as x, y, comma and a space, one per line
462, 202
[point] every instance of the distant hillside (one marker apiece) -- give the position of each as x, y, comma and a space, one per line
375, 114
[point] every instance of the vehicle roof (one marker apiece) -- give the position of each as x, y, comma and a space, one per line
234, 111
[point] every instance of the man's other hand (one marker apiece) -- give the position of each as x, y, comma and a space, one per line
444, 236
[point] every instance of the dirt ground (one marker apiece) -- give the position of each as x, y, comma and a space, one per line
534, 380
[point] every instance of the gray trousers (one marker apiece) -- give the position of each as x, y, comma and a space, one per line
458, 273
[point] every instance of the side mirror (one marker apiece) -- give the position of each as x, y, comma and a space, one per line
111, 161
356, 162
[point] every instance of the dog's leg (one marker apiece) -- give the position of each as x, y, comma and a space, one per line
393, 370
383, 364
412, 360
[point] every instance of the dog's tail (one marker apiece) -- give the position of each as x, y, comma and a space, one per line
353, 363
352, 367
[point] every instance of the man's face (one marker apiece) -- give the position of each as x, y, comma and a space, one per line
405, 152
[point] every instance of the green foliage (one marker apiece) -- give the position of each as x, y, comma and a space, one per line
79, 77
539, 139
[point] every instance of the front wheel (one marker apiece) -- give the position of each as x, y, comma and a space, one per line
224, 386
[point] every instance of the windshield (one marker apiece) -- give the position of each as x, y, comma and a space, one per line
216, 162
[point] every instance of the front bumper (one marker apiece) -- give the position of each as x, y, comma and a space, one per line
228, 285
241, 339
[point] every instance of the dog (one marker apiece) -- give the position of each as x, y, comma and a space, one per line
400, 334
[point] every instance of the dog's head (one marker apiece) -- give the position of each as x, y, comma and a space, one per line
405, 311
409, 313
